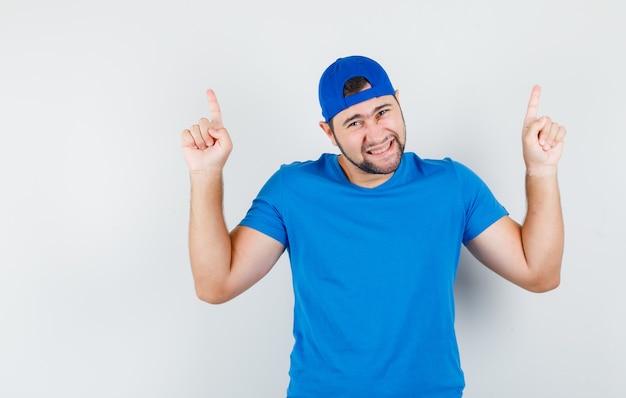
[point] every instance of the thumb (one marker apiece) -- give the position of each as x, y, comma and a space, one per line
535, 126
532, 132
221, 136
217, 132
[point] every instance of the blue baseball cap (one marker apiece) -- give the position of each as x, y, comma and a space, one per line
335, 76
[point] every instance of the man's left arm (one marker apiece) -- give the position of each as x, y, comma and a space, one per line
530, 254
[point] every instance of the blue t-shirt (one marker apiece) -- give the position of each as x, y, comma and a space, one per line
373, 273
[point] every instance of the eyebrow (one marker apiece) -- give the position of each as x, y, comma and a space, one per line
361, 116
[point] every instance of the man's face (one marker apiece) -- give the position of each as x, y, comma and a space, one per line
371, 136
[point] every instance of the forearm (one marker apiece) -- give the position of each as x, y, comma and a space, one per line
209, 240
543, 230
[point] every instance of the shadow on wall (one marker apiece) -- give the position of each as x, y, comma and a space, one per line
478, 291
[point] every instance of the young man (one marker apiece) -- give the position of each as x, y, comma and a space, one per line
374, 237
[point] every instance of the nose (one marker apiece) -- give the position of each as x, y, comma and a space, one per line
375, 132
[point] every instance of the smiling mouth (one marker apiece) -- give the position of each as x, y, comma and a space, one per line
382, 149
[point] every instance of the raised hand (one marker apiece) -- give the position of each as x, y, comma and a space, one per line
207, 145
542, 139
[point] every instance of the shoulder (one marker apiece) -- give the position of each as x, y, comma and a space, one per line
325, 167
429, 167
307, 165
302, 173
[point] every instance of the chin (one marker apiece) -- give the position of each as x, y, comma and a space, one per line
386, 167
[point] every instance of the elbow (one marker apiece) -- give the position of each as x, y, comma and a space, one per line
544, 285
544, 276
211, 298
211, 295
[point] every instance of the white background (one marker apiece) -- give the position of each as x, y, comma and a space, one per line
96, 294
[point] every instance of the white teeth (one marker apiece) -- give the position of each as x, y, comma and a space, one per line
381, 150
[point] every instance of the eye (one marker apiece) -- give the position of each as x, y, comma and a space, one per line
355, 123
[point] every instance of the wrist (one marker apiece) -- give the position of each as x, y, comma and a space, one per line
205, 176
541, 171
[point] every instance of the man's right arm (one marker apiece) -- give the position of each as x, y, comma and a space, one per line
223, 264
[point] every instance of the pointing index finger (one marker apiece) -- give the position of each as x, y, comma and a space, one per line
533, 105
215, 114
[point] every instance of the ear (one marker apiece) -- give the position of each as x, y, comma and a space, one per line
398, 95
329, 133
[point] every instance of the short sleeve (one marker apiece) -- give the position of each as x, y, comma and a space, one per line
481, 207
265, 213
